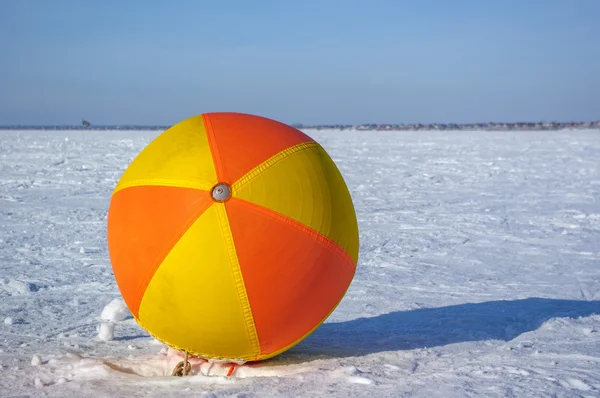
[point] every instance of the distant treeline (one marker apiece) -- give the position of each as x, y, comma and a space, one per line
80, 127
518, 126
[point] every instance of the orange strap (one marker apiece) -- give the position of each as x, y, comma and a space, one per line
231, 369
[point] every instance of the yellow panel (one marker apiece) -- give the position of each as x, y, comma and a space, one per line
196, 300
180, 156
304, 184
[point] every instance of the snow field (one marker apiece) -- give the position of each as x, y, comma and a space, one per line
478, 273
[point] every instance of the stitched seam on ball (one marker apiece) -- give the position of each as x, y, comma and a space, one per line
239, 280
162, 255
192, 353
167, 182
214, 150
316, 235
270, 162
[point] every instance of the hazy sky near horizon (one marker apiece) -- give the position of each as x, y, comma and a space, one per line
326, 61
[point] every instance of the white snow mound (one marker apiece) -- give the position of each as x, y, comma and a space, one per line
106, 331
115, 311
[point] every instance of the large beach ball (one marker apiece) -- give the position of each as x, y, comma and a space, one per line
232, 236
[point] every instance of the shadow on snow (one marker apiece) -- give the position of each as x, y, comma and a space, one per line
431, 327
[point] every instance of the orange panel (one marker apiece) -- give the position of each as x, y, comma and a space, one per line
294, 277
240, 142
144, 222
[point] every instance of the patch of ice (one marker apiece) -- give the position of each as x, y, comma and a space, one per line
351, 375
577, 384
14, 287
358, 380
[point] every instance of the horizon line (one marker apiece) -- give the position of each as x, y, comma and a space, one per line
302, 125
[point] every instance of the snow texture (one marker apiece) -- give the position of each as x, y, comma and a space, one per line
479, 273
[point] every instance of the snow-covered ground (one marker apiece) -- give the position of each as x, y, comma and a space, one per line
479, 273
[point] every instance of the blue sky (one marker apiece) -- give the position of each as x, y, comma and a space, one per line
327, 61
